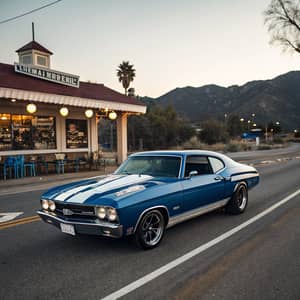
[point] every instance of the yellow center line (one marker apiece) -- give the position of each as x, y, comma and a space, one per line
21, 221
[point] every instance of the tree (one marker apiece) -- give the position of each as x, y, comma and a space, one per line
126, 74
160, 127
234, 126
212, 132
283, 20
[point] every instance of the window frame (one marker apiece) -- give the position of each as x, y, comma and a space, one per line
224, 166
197, 155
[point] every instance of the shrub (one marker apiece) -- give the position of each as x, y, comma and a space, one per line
264, 147
277, 140
233, 147
213, 132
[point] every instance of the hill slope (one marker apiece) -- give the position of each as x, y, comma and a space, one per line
274, 100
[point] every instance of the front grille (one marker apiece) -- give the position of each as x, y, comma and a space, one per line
73, 210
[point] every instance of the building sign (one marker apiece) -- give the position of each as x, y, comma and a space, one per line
47, 74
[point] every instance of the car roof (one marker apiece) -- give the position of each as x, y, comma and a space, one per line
185, 153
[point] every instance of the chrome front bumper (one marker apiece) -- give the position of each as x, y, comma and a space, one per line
81, 227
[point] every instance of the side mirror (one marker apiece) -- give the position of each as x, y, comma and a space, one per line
193, 173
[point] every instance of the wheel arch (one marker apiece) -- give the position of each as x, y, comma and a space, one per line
238, 184
163, 209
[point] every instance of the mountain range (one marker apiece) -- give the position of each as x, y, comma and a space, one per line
273, 100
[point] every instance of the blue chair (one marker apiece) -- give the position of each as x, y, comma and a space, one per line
60, 162
25, 166
10, 165
30, 165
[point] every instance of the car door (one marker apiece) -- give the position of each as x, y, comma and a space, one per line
201, 186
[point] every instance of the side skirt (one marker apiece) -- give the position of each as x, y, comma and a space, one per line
196, 212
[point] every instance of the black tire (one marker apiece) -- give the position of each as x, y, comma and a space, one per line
239, 201
150, 230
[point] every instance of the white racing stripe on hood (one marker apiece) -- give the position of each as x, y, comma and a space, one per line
81, 197
63, 196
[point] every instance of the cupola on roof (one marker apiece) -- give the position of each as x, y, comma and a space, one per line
33, 45
34, 53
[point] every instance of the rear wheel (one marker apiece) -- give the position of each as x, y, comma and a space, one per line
238, 201
150, 230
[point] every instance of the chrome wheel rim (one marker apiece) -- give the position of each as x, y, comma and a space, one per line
152, 228
242, 198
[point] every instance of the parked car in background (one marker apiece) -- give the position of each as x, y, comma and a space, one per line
149, 192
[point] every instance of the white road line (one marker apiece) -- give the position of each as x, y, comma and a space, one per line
147, 278
5, 217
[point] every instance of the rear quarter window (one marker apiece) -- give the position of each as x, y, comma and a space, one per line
216, 164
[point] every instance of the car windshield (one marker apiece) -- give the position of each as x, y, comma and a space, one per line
157, 166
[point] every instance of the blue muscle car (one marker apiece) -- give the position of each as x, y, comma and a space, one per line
149, 192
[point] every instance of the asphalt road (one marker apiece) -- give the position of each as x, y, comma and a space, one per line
260, 261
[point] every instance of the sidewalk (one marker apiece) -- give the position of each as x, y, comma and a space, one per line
27, 184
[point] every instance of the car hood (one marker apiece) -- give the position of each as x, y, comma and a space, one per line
108, 188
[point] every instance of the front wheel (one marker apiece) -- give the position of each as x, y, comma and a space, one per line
238, 202
150, 230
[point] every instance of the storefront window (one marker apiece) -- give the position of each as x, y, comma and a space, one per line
23, 132
5, 132
43, 131
76, 134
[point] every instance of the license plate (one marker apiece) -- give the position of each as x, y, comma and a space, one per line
66, 228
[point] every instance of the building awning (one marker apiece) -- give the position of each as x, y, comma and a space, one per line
88, 95
69, 100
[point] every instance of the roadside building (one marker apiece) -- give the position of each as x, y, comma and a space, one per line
44, 111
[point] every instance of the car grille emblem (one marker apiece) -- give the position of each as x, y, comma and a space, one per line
67, 212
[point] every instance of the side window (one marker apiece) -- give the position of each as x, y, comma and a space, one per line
216, 164
197, 163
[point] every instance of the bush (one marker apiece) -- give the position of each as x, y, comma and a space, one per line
213, 132
264, 147
277, 140
232, 147
245, 147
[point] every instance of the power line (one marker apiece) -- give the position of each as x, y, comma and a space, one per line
29, 12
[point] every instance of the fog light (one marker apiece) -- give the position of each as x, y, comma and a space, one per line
100, 212
112, 214
45, 204
52, 205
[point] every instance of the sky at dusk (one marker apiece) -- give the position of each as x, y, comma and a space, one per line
172, 43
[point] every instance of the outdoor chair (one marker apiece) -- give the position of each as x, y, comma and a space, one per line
10, 166
30, 166
24, 166
60, 162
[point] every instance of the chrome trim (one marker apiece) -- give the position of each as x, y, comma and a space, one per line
106, 224
244, 176
146, 210
196, 212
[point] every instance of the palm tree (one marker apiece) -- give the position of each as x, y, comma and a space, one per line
126, 74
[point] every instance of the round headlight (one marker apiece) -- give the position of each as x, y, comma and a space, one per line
101, 212
112, 214
52, 205
45, 204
